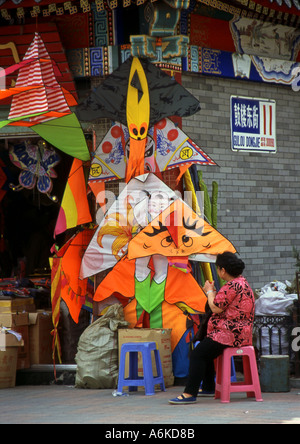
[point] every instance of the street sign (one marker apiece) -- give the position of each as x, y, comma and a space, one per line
253, 124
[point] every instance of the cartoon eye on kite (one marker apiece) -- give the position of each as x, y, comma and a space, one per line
187, 241
150, 148
166, 242
138, 133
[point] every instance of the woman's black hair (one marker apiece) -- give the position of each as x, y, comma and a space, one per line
231, 263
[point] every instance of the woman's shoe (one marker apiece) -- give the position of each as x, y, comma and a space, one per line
205, 394
183, 400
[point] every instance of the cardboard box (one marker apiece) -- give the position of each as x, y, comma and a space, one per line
23, 352
9, 346
19, 322
15, 305
13, 319
40, 338
162, 338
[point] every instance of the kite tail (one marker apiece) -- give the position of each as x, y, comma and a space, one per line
55, 347
136, 162
55, 302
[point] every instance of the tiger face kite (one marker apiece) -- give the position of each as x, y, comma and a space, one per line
178, 231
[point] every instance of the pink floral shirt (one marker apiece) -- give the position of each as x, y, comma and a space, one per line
233, 327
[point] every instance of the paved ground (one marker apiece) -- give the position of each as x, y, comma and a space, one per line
67, 405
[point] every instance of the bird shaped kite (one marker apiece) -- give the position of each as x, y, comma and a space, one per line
138, 95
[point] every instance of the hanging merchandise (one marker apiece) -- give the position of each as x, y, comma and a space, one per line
65, 283
148, 234
147, 237
37, 162
74, 208
138, 95
166, 96
41, 104
167, 146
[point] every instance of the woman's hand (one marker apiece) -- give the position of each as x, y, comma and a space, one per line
209, 286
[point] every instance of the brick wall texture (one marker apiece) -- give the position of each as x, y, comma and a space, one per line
259, 194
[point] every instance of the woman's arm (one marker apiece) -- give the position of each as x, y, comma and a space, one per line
211, 294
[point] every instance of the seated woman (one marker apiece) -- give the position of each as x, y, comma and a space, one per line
230, 324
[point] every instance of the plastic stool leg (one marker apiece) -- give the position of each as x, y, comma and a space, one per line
133, 369
226, 378
148, 372
121, 371
159, 370
255, 378
219, 362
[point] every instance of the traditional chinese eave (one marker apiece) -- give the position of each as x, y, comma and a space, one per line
267, 8
263, 10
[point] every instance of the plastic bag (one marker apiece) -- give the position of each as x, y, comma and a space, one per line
97, 353
274, 300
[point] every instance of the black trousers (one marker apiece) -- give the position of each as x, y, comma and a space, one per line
202, 366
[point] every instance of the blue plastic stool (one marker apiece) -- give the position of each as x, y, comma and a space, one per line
148, 380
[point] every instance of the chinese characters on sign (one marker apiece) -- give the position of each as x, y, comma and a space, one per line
253, 125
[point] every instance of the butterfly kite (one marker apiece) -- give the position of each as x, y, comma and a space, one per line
37, 162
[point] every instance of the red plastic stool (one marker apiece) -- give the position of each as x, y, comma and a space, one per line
250, 385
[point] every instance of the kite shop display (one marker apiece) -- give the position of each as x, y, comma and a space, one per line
155, 249
148, 235
35, 188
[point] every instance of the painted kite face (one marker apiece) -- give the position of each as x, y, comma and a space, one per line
150, 166
178, 231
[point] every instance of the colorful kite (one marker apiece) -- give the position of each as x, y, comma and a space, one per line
167, 146
65, 282
138, 95
40, 103
148, 234
74, 208
111, 238
147, 237
37, 163
166, 96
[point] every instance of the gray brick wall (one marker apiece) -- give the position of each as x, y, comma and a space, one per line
259, 194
